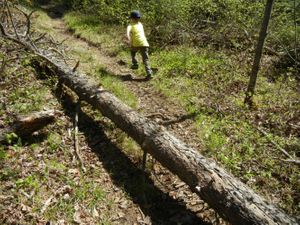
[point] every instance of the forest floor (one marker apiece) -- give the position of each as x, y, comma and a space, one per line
41, 180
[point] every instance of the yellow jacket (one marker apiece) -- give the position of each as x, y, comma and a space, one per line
136, 35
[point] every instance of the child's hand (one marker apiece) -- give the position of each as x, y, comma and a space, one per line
126, 41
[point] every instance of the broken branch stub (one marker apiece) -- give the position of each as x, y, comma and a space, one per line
26, 125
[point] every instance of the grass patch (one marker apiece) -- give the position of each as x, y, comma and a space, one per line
54, 141
89, 28
28, 182
25, 100
112, 83
3, 154
85, 193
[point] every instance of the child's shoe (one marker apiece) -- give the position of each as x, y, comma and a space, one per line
134, 67
149, 76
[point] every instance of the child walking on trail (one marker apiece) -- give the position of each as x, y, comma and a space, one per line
138, 42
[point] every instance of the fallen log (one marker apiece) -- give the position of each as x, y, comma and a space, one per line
231, 198
26, 125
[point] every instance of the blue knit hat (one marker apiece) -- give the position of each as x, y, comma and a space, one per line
135, 15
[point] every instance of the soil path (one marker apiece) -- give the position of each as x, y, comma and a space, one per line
172, 201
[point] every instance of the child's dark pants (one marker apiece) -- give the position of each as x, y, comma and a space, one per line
145, 57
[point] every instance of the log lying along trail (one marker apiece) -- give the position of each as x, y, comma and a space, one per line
232, 199
26, 125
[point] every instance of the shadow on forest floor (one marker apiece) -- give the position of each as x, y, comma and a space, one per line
55, 10
156, 204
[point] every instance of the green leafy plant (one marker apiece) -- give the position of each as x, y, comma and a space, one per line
12, 137
54, 141
30, 181
3, 154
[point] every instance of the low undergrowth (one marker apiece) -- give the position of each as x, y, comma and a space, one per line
99, 34
40, 181
211, 83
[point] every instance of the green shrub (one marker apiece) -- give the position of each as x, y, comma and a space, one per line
233, 23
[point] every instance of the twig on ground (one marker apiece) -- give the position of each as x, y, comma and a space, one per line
274, 143
40, 37
295, 161
3, 64
33, 44
47, 204
52, 40
28, 196
179, 119
64, 57
2, 29
76, 66
76, 145
49, 201
60, 43
151, 115
142, 214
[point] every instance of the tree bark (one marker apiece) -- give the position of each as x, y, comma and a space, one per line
231, 198
26, 125
258, 52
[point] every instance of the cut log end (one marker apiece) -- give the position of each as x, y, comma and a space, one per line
25, 125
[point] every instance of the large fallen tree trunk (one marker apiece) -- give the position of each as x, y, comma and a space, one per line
26, 125
232, 199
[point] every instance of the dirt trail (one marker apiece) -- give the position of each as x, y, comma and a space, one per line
151, 102
172, 201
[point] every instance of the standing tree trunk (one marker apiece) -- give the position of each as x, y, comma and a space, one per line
296, 35
258, 53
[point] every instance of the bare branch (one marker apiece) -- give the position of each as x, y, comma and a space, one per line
3, 64
76, 66
76, 143
9, 37
51, 199
4, 16
33, 44
2, 29
55, 42
297, 162
11, 19
40, 37
274, 143
60, 43
27, 32
64, 57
